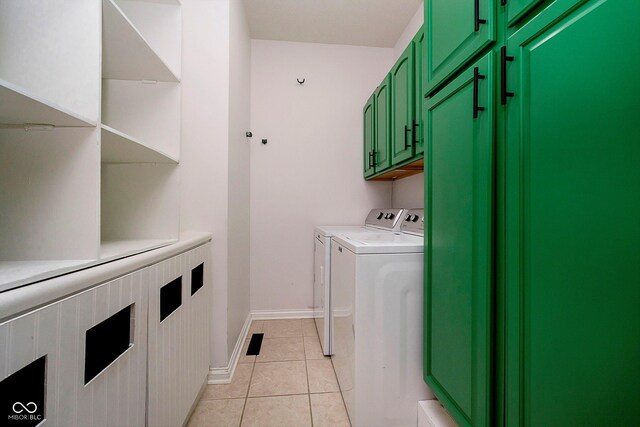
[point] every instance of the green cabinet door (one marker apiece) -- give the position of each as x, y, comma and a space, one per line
458, 244
419, 46
455, 33
369, 136
382, 114
402, 120
516, 9
573, 217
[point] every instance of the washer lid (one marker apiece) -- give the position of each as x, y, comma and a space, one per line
332, 230
380, 243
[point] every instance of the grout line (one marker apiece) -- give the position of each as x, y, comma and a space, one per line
306, 369
246, 397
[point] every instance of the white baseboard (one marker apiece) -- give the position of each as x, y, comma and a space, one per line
281, 314
224, 375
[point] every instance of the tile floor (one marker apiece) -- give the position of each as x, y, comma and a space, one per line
290, 383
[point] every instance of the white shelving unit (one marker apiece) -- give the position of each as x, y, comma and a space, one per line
126, 54
140, 126
89, 142
19, 107
118, 147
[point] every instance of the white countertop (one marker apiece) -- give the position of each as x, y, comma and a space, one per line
29, 297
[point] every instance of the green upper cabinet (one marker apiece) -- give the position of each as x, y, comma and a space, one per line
456, 30
382, 114
369, 137
573, 217
459, 123
419, 46
516, 9
402, 120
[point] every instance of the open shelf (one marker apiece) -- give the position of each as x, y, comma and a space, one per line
118, 147
19, 107
126, 54
112, 250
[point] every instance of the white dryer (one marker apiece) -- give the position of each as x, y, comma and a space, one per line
377, 300
379, 220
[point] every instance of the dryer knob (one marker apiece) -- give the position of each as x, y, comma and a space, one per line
415, 218
380, 215
391, 216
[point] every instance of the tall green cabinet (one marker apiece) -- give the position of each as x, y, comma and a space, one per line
458, 242
532, 259
573, 217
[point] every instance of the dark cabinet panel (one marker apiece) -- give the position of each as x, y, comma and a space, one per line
458, 243
369, 137
573, 217
456, 31
382, 113
402, 115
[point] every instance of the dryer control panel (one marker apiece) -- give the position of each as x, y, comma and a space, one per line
385, 219
413, 222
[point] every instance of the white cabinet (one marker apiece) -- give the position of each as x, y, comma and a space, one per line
89, 133
116, 395
108, 359
179, 297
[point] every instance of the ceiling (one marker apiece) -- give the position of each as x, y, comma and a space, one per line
377, 23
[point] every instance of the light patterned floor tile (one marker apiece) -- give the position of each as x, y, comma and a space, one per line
217, 413
256, 326
309, 328
243, 355
282, 328
278, 378
328, 410
281, 349
322, 378
312, 348
277, 411
236, 389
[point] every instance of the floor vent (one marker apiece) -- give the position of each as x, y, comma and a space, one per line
255, 344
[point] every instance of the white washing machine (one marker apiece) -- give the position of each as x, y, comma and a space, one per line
377, 300
378, 220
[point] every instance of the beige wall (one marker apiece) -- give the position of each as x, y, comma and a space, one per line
310, 172
239, 171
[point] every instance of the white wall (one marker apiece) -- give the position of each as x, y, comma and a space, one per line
204, 152
239, 168
409, 192
310, 172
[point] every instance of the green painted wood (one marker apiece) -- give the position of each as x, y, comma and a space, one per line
573, 217
451, 37
419, 43
382, 113
369, 136
516, 9
402, 106
458, 246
